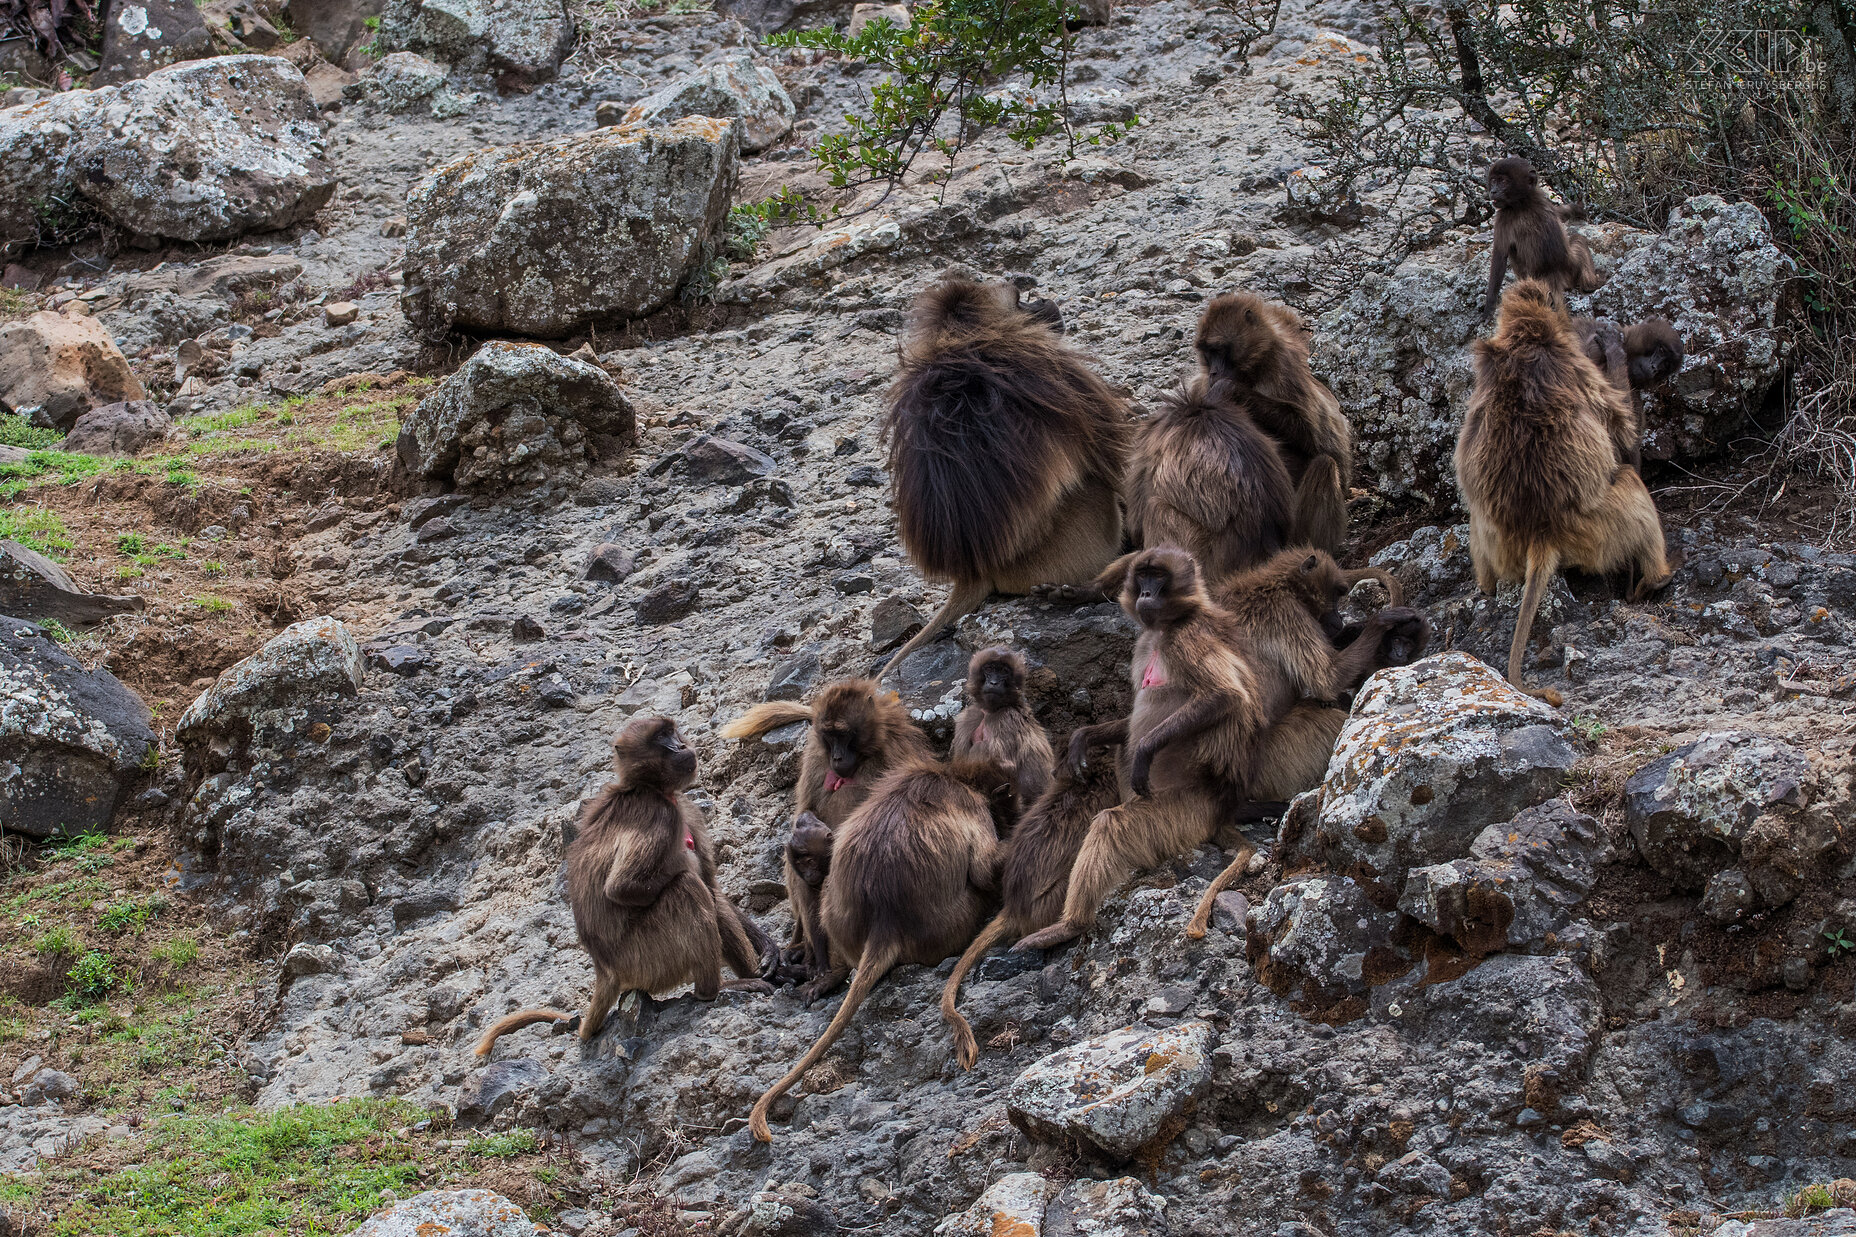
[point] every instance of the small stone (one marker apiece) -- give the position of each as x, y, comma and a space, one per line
1797, 974
609, 563
892, 620
728, 463
667, 602
436, 529
340, 313
1114, 1094
55, 1085
1228, 911
1729, 897
792, 676
309, 958
608, 112
393, 227
849, 582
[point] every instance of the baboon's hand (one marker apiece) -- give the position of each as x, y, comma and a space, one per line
1138, 771
1079, 754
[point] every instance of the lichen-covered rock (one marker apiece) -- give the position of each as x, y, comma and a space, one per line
1116, 1094
56, 367
1013, 1204
1520, 881
1433, 753
547, 237
1397, 350
271, 697
124, 428
520, 42
141, 36
202, 151
515, 414
737, 87
1321, 943
1735, 799
408, 79
72, 741
450, 1213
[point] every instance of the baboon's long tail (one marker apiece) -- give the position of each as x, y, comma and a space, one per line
875, 964
1542, 562
1395, 592
965, 1048
764, 717
964, 600
515, 1022
1202, 917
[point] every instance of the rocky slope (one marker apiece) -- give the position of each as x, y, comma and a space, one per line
1658, 1034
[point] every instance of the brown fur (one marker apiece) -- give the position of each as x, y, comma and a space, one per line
1005, 451
641, 882
1204, 477
1033, 877
915, 872
1531, 233
1202, 707
998, 723
1634, 359
1263, 348
1539, 469
859, 732
807, 857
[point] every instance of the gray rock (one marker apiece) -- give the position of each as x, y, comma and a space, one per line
55, 1085
515, 414
1114, 1095
141, 36
520, 42
1737, 799
310, 958
727, 463
547, 237
1015, 1204
55, 367
276, 695
735, 87
128, 428
892, 620
334, 26
34, 587
498, 1085
1121, 1207
668, 602
1520, 882
1433, 753
1321, 943
454, 1213
784, 1213
72, 741
609, 563
408, 79
793, 676
1729, 897
202, 151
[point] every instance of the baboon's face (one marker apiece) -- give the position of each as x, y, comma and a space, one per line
994, 683
1511, 182
809, 849
1159, 586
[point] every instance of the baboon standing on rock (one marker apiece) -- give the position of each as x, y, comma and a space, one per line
1530, 231
914, 873
1005, 451
1263, 349
641, 881
1540, 470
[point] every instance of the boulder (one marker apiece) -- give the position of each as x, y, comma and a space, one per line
862, 15
274, 697
56, 367
141, 36
1013, 1204
736, 87
1739, 801
34, 587
547, 237
72, 741
724, 462
1321, 943
127, 428
785, 1212
498, 1085
1397, 349
1029, 1205
1519, 883
408, 79
519, 42
203, 151
452, 1213
515, 414
1115, 1095
1432, 754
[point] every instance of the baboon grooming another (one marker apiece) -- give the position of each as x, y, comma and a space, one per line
1005, 451
1263, 348
1531, 232
998, 723
641, 881
1633, 359
1203, 704
1540, 471
807, 857
859, 732
914, 873
1033, 875
1204, 476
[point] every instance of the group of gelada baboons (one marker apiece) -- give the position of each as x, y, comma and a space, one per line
1016, 468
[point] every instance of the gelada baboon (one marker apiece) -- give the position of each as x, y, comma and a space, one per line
859, 732
1530, 231
998, 723
1202, 706
913, 876
1539, 470
641, 882
1034, 873
1633, 359
1263, 348
807, 858
1204, 477
1005, 452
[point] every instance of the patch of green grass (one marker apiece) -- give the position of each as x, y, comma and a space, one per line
37, 529
1812, 1198
44, 467
506, 1146
130, 915
58, 942
94, 976
129, 543
218, 422
16, 431
181, 476
14, 303
212, 567
216, 605
1589, 728
78, 891
178, 954
59, 633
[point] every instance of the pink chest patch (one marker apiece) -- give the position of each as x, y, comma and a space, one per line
1155, 674
979, 734
834, 782
689, 841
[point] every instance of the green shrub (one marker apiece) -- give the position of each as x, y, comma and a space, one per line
94, 976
